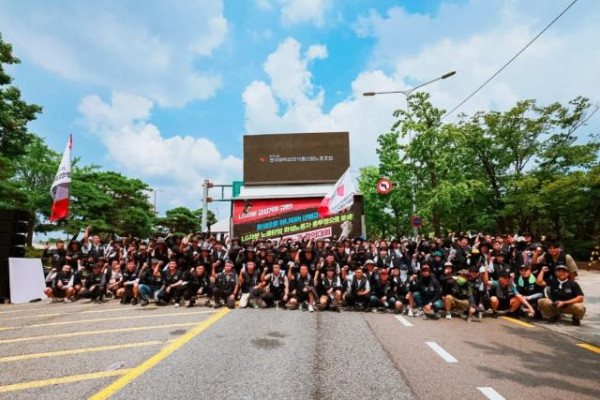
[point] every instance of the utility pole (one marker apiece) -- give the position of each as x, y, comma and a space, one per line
207, 199
205, 204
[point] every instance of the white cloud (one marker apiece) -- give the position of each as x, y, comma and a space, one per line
291, 103
290, 77
304, 11
176, 164
316, 52
414, 48
153, 50
264, 4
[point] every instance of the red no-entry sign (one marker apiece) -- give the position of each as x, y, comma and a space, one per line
384, 186
415, 221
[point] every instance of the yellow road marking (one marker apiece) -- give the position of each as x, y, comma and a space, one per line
64, 379
33, 316
98, 332
81, 321
48, 307
78, 351
116, 309
158, 357
589, 347
516, 321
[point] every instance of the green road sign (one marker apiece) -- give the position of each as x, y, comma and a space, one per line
236, 187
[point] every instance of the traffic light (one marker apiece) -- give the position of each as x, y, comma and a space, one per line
209, 199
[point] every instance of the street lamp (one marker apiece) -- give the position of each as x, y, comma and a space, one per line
154, 193
406, 94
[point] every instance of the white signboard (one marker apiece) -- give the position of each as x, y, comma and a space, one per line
26, 277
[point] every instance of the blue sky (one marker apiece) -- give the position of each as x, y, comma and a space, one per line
164, 91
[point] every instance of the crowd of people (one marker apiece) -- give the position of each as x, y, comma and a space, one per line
465, 276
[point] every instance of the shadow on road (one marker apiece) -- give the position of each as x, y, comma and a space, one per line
563, 364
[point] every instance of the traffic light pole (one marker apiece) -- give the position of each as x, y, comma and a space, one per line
207, 199
205, 205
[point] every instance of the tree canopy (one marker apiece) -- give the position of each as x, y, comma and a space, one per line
530, 168
182, 220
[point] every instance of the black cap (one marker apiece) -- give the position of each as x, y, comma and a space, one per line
561, 266
504, 274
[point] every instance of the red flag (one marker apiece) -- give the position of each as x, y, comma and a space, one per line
60, 187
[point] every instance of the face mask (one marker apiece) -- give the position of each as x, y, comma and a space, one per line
461, 280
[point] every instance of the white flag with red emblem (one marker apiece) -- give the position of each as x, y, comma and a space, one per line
60, 187
341, 197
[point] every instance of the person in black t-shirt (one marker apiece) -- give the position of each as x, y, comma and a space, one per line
459, 296
198, 284
304, 290
503, 296
329, 288
564, 296
427, 292
95, 284
358, 290
275, 288
58, 255
383, 293
224, 286
526, 285
151, 281
172, 285
74, 256
63, 285
249, 285
129, 290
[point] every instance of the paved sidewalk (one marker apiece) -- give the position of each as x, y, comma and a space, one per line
589, 331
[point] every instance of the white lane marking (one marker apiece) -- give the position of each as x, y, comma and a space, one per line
441, 352
490, 393
403, 321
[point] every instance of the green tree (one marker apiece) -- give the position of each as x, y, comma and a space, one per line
527, 168
518, 152
109, 202
430, 159
182, 220
15, 114
35, 172
377, 218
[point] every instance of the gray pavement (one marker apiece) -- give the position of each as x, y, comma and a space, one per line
518, 362
250, 354
274, 354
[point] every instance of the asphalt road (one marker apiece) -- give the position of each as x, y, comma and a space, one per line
79, 350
